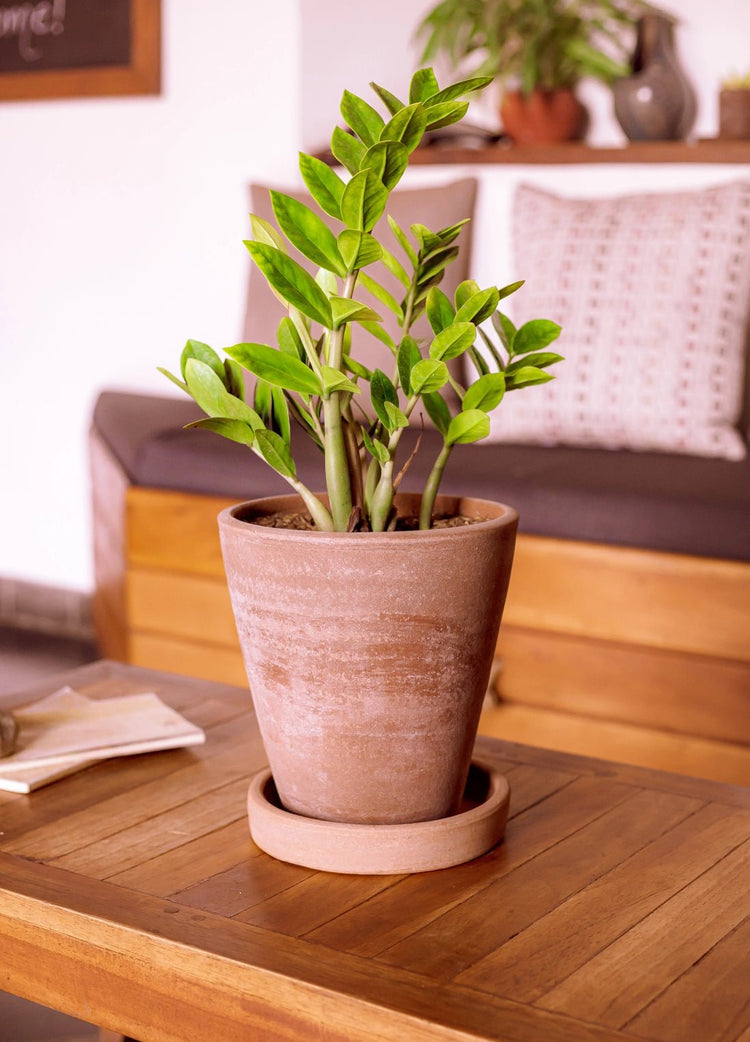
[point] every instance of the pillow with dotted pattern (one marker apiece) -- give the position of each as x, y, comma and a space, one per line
653, 294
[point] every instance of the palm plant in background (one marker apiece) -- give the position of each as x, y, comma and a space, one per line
310, 375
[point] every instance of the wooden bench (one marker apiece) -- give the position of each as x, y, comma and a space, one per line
635, 655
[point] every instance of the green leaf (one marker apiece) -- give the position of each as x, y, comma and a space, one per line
486, 393
264, 231
382, 295
175, 379
281, 414
465, 291
396, 418
437, 262
527, 376
276, 367
366, 123
534, 335
347, 149
358, 249
235, 430
376, 330
459, 90
402, 238
289, 339
539, 359
376, 448
291, 280
204, 353
396, 268
423, 85
390, 101
439, 310
382, 391
469, 426
356, 368
428, 375
453, 340
323, 184
437, 410
445, 115
212, 396
363, 201
407, 125
387, 159
234, 379
335, 380
505, 330
505, 291
275, 452
407, 357
346, 310
428, 240
305, 230
478, 307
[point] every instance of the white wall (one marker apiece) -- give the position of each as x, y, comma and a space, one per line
122, 228
122, 219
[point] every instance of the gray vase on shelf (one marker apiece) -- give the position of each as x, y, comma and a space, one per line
657, 102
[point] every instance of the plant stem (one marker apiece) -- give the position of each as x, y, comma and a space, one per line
431, 487
338, 477
382, 500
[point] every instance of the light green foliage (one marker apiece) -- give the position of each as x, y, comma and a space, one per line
529, 44
310, 375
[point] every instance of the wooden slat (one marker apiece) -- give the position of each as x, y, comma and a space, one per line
689, 694
187, 657
659, 600
190, 607
700, 757
175, 530
109, 488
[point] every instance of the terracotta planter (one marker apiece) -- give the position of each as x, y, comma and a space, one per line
368, 655
734, 114
544, 117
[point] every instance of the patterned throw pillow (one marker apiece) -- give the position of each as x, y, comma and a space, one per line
653, 294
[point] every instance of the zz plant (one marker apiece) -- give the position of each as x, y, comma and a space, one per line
310, 376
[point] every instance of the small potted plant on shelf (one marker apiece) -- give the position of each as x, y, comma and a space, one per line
537, 51
367, 630
734, 108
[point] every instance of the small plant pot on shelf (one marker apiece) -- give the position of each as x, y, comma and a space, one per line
368, 654
734, 114
544, 117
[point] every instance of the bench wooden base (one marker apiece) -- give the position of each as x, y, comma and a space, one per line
631, 655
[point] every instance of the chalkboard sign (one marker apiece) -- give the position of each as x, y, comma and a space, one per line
53, 48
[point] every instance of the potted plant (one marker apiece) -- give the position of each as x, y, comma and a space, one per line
368, 647
537, 51
734, 108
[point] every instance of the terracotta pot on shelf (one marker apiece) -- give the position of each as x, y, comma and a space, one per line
734, 113
368, 654
543, 117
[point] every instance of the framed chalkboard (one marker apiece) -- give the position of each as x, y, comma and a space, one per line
68, 48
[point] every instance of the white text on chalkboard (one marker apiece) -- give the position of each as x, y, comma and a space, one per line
30, 22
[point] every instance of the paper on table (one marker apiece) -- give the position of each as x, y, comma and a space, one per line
66, 731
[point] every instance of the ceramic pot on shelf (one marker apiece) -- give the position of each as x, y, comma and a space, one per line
543, 117
734, 114
368, 654
657, 102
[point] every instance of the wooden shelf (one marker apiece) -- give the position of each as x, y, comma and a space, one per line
708, 151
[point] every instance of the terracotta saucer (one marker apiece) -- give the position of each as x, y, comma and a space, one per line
332, 846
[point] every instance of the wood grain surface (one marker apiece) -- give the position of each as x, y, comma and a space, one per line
131, 895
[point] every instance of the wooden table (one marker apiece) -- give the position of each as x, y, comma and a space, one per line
131, 895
